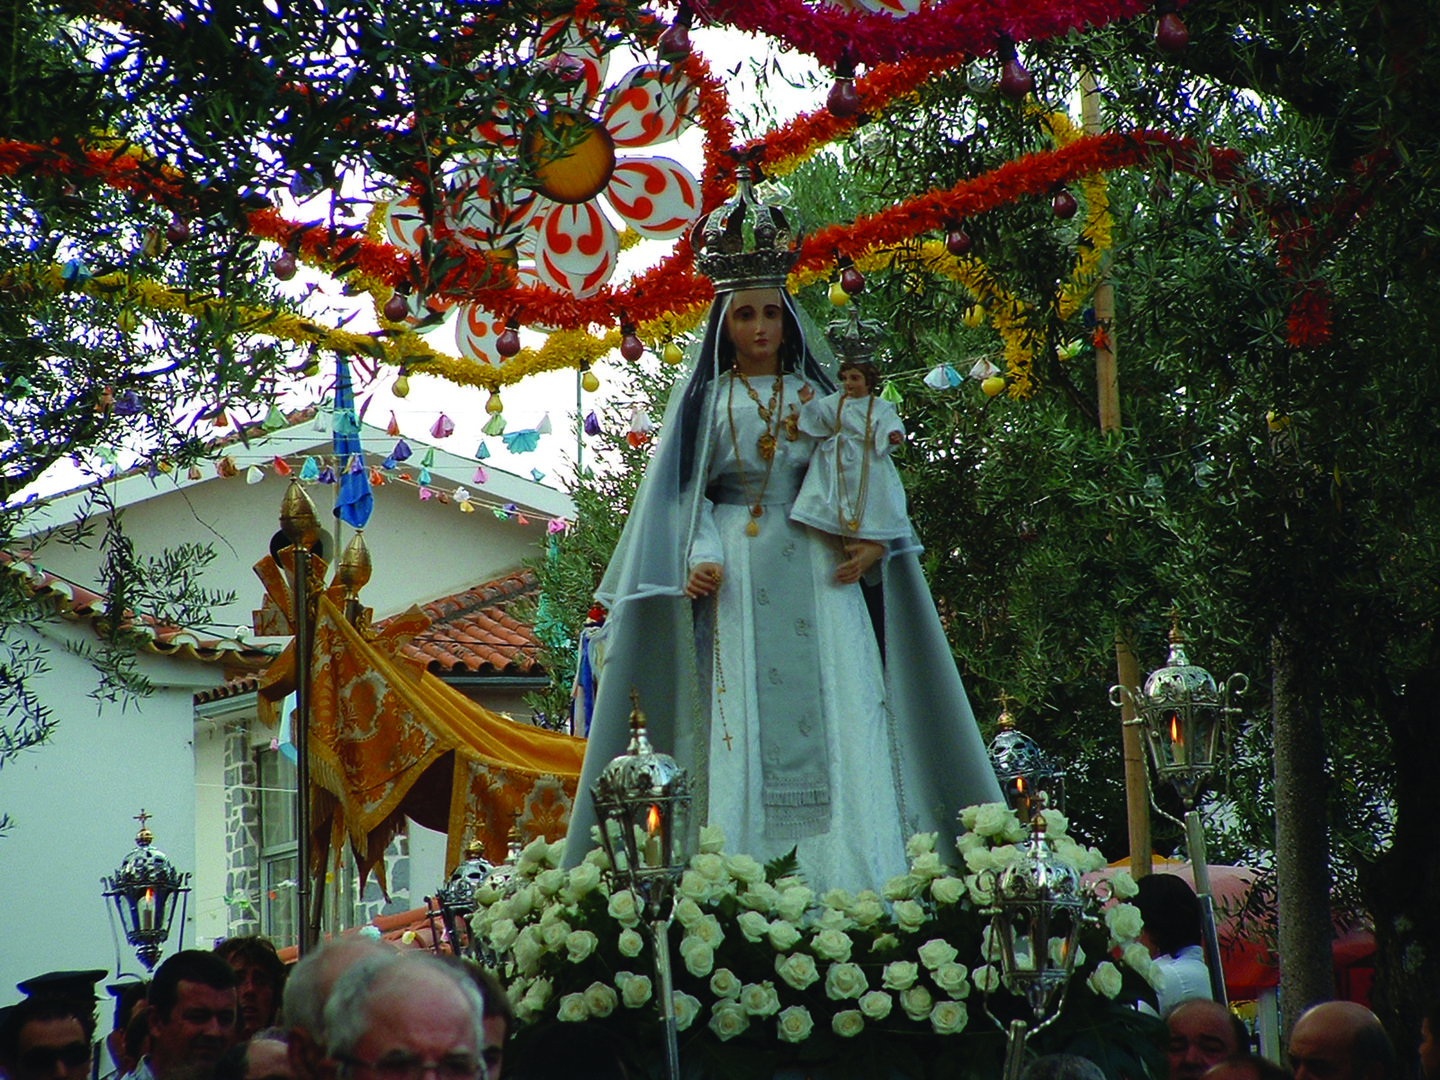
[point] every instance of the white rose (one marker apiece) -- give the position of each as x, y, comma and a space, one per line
920, 844
555, 853
916, 1002
1123, 885
948, 1017
952, 979
969, 815
580, 944
783, 935
745, 868
532, 856
834, 919
694, 885
528, 950
884, 943
688, 913
486, 894
752, 924
536, 995
969, 842
1105, 979
847, 1023
761, 896
635, 990
623, 908
550, 882
832, 945
707, 929
728, 1019
1124, 922
597, 858
1004, 855
797, 970
947, 890
554, 935
573, 1009
709, 865
521, 903
845, 981
699, 957
503, 933
876, 1004
839, 899
979, 860
760, 999
1137, 957
601, 999
1056, 823
724, 983
980, 887
900, 975
993, 819
583, 880
793, 903
867, 909
552, 914
986, 979
712, 839
900, 887
909, 915
794, 1024
686, 1008
927, 866
630, 943
937, 951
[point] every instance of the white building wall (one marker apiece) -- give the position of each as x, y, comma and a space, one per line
73, 802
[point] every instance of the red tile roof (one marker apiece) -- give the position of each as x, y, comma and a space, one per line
474, 631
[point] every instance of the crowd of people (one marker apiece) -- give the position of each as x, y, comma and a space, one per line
358, 1009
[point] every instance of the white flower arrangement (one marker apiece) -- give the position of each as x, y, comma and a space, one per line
760, 961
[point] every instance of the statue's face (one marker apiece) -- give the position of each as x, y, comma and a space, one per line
755, 325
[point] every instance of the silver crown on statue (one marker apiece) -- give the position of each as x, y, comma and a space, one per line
744, 244
852, 338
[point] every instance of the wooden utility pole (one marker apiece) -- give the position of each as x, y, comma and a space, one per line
1127, 668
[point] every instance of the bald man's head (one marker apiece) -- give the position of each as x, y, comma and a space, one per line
302, 1013
1340, 1040
1202, 1033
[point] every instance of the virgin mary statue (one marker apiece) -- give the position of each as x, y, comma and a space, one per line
805, 682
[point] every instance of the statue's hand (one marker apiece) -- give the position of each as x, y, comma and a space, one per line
861, 555
704, 579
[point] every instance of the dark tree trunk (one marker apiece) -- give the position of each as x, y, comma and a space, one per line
1301, 836
1401, 885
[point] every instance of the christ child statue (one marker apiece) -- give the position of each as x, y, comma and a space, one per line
852, 488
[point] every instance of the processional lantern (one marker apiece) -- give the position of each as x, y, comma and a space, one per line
1030, 778
1038, 908
145, 890
457, 896
642, 799
1183, 713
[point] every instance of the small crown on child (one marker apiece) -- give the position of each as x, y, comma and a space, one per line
744, 244
853, 339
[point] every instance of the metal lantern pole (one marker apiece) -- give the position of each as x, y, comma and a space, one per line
1037, 898
1181, 712
642, 799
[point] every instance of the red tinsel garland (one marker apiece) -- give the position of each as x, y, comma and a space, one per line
969, 28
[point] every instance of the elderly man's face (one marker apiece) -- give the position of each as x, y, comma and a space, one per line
1201, 1035
54, 1049
417, 1032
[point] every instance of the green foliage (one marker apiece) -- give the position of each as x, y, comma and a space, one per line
575, 559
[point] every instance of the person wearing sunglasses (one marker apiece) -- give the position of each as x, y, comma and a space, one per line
47, 1038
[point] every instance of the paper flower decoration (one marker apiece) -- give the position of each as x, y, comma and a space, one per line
443, 427
522, 441
570, 150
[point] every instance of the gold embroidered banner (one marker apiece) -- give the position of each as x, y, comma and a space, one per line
389, 740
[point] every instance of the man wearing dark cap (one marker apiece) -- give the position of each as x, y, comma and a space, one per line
193, 1017
47, 1037
79, 985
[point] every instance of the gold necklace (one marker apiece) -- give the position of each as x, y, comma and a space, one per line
765, 444
852, 523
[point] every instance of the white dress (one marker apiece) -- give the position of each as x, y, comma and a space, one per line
833, 642
853, 487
